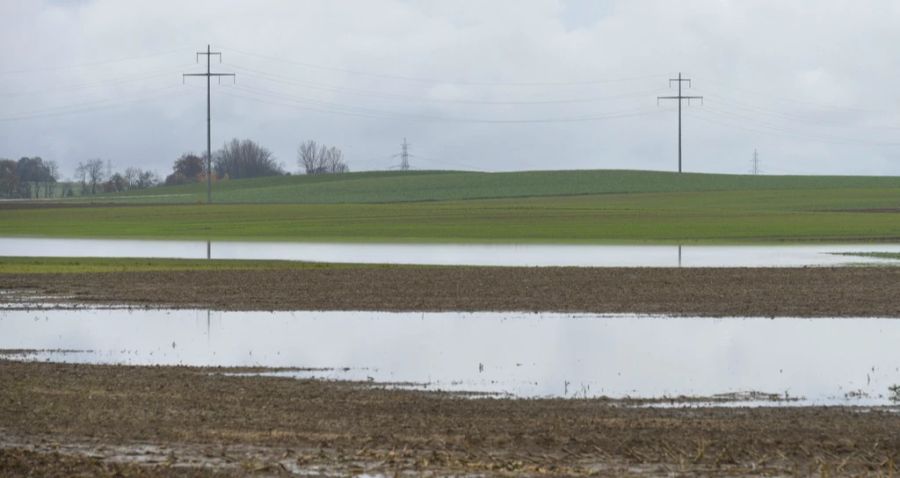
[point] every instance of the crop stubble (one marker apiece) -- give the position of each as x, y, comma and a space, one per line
64, 420
801, 292
263, 424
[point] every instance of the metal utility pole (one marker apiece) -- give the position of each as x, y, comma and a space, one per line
404, 156
755, 162
208, 76
680, 99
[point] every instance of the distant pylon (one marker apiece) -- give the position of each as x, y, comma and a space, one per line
755, 162
404, 156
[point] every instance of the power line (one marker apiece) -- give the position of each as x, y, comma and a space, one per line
771, 129
680, 98
320, 86
793, 118
785, 117
83, 107
451, 163
436, 80
352, 110
96, 84
783, 99
357, 109
751, 108
91, 64
355, 91
208, 54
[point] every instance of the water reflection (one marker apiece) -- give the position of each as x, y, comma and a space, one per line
457, 254
824, 361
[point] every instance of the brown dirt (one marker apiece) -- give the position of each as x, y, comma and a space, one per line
90, 420
804, 292
55, 417
24, 461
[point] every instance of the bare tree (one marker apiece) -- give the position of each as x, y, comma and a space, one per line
145, 179
136, 178
52, 179
90, 174
315, 159
245, 159
307, 156
131, 176
334, 161
81, 176
95, 173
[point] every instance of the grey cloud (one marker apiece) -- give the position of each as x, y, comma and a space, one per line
809, 84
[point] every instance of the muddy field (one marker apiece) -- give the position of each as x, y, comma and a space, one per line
800, 292
96, 420
93, 420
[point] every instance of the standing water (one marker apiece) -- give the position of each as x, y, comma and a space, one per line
458, 254
815, 361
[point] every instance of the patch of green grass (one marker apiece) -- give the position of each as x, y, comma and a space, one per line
61, 265
878, 255
728, 216
412, 186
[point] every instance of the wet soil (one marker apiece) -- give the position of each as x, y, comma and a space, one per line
801, 292
95, 420
26, 461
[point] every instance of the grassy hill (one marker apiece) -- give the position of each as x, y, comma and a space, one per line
412, 186
542, 207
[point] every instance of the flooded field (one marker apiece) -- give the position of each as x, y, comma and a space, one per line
459, 254
782, 361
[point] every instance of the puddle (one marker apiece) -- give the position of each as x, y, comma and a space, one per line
459, 254
236, 460
742, 361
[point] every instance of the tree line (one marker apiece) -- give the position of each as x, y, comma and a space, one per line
240, 159
28, 178
237, 159
96, 176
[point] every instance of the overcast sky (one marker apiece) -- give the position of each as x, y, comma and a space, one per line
474, 84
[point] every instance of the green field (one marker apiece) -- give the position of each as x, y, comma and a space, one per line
413, 186
535, 207
879, 255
